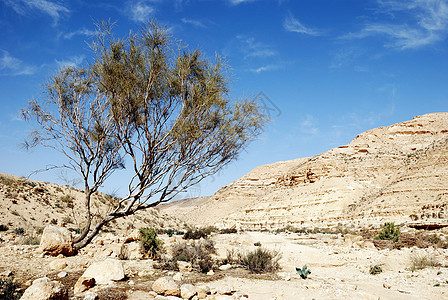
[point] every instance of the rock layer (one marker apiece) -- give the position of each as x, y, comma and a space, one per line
396, 173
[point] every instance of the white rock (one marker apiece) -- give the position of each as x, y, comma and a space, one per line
166, 286
45, 289
58, 264
225, 267
187, 291
56, 240
62, 274
90, 296
105, 271
178, 276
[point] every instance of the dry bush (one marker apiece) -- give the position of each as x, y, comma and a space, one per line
421, 261
197, 253
261, 260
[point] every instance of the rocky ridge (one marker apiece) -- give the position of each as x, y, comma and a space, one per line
396, 173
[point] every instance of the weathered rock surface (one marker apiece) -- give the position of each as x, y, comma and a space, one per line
56, 240
83, 284
392, 173
45, 289
166, 286
105, 271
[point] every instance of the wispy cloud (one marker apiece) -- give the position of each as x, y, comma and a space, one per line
72, 61
53, 9
309, 125
195, 23
82, 31
140, 11
413, 24
251, 48
236, 2
271, 67
13, 66
290, 23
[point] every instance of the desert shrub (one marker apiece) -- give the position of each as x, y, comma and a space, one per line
68, 200
421, 261
151, 245
170, 232
30, 240
197, 253
228, 230
8, 290
257, 244
389, 232
169, 264
19, 231
67, 219
261, 260
54, 222
196, 234
3, 227
435, 240
75, 230
375, 270
39, 230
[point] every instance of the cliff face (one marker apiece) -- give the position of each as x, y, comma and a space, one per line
395, 173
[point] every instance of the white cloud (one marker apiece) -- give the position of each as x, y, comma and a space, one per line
251, 48
265, 68
195, 23
236, 2
13, 66
53, 9
140, 11
290, 23
72, 61
309, 125
418, 23
82, 31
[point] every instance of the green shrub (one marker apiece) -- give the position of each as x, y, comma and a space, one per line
67, 219
151, 245
197, 253
389, 232
196, 234
303, 272
8, 290
228, 230
375, 270
19, 231
261, 260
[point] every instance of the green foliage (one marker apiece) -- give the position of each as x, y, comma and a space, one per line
389, 232
196, 234
374, 270
150, 243
198, 253
261, 260
8, 290
67, 219
303, 272
19, 231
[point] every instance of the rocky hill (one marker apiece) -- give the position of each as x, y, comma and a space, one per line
397, 173
31, 205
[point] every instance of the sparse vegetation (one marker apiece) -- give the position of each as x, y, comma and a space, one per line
8, 290
151, 245
198, 253
3, 227
422, 261
196, 234
67, 219
375, 270
389, 232
303, 272
228, 230
19, 231
261, 260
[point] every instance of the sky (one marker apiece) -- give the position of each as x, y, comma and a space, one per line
324, 70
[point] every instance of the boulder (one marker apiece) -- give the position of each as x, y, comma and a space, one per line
56, 240
91, 296
184, 266
58, 264
45, 289
105, 271
166, 286
187, 291
83, 284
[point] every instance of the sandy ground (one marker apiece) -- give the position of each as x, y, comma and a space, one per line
338, 271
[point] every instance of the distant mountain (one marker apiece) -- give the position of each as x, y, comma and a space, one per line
397, 173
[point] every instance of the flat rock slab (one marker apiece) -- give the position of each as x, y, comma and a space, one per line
105, 271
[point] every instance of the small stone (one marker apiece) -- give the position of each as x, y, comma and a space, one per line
386, 285
62, 274
184, 266
210, 273
178, 277
225, 267
90, 296
58, 264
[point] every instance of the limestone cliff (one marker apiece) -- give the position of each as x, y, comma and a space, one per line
395, 173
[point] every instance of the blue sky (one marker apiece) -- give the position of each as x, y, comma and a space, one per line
328, 70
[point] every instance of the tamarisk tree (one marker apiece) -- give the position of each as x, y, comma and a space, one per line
147, 104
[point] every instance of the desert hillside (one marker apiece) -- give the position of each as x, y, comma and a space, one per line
397, 173
31, 205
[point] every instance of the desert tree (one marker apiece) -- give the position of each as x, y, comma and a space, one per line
148, 100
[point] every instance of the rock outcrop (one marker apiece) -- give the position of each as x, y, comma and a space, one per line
56, 240
396, 173
45, 289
